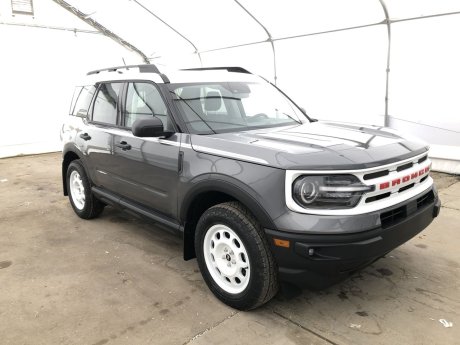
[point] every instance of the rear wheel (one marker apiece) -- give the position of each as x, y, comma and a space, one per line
83, 201
234, 257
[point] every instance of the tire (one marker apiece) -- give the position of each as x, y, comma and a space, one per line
83, 201
234, 257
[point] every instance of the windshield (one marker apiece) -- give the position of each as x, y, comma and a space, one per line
233, 106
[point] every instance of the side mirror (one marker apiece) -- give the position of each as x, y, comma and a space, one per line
150, 127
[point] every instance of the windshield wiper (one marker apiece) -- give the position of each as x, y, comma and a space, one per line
292, 118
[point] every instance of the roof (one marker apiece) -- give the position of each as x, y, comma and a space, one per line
164, 75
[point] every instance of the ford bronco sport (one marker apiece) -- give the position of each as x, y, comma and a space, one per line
260, 192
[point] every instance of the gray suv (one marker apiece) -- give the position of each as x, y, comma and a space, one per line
260, 192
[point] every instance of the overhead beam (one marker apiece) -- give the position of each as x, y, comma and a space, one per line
171, 28
101, 28
50, 27
270, 39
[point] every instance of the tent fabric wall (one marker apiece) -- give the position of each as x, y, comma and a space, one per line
39, 68
329, 55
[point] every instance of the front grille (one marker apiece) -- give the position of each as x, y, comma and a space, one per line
392, 181
392, 217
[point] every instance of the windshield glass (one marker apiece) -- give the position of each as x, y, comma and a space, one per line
233, 106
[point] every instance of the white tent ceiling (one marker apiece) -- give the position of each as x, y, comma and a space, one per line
331, 56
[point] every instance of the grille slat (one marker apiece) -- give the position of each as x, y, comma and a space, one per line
405, 166
421, 160
376, 174
378, 197
409, 186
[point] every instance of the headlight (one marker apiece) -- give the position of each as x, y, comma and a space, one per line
328, 191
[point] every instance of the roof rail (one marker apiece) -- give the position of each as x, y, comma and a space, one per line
229, 69
146, 68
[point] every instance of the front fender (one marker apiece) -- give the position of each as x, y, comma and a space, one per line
238, 190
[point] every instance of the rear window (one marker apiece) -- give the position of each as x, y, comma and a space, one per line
82, 99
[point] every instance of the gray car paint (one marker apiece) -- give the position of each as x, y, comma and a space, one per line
248, 165
314, 146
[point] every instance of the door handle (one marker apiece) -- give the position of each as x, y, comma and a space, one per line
123, 145
85, 136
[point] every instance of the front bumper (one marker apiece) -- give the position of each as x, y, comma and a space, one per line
316, 261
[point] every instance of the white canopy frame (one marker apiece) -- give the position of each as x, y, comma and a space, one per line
270, 38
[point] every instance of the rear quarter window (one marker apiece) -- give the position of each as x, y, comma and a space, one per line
82, 99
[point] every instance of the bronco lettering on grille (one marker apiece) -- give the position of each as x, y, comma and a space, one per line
404, 179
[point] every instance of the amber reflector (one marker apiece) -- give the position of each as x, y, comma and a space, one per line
281, 243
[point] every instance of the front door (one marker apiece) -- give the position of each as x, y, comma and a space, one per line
147, 168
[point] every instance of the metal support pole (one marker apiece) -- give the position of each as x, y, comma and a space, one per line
386, 121
270, 39
170, 27
101, 28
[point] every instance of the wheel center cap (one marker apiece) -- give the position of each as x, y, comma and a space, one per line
228, 257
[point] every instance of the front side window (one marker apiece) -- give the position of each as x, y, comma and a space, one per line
105, 104
143, 100
233, 106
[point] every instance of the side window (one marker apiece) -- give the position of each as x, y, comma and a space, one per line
105, 105
144, 100
81, 99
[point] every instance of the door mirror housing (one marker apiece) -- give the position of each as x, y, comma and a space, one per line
150, 127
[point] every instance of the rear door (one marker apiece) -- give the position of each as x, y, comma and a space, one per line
147, 168
98, 135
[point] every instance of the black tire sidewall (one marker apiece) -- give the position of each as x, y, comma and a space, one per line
249, 236
85, 212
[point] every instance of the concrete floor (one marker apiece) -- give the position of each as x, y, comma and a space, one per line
118, 280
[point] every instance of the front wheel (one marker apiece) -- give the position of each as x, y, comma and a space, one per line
83, 201
234, 257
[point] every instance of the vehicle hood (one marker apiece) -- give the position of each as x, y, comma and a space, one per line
313, 146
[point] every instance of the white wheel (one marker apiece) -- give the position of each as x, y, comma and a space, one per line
226, 259
234, 256
77, 190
